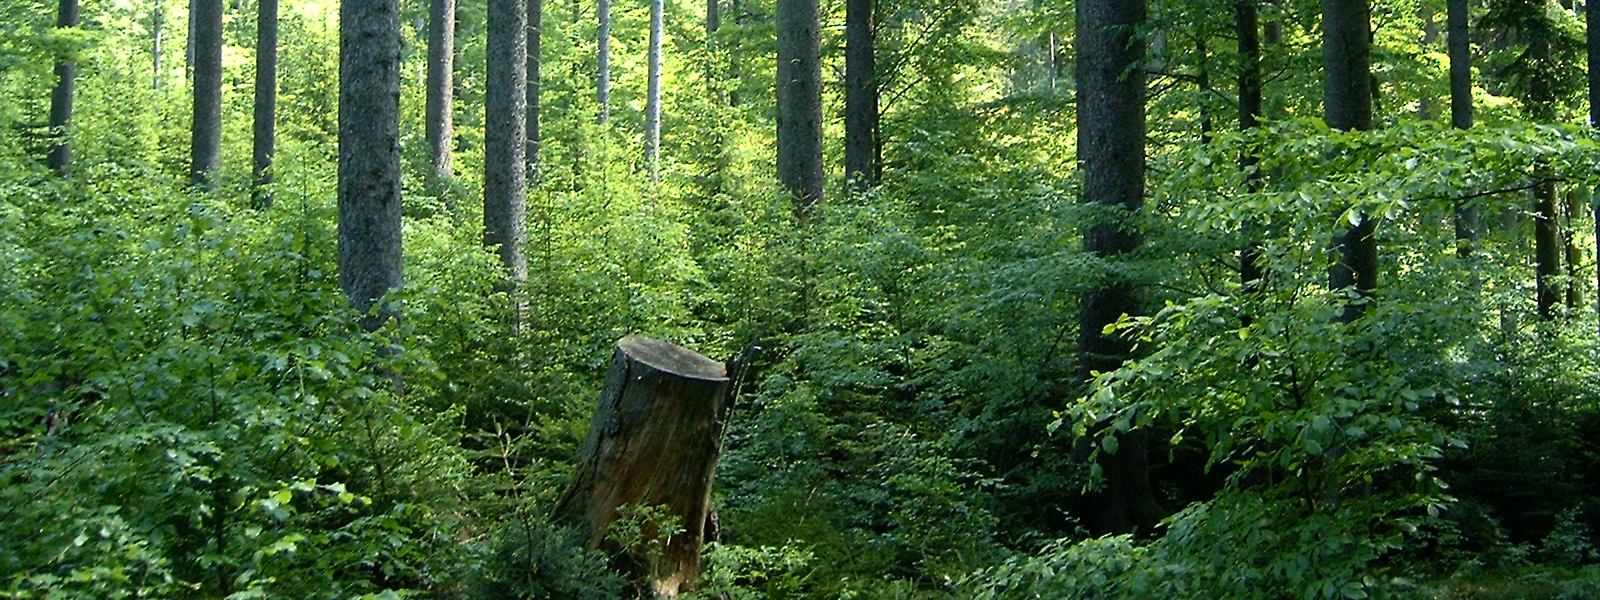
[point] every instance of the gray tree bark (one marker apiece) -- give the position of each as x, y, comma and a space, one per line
535, 46
266, 105
603, 61
505, 135
1347, 105
861, 96
61, 97
440, 117
1111, 154
1460, 50
654, 442
369, 153
205, 144
1591, 17
158, 19
652, 106
799, 88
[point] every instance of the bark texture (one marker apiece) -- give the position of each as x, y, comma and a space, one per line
505, 135
61, 97
158, 19
205, 143
861, 95
654, 442
602, 84
1347, 105
440, 126
1111, 138
535, 46
369, 152
266, 108
1247, 26
1591, 16
652, 104
1459, 47
799, 88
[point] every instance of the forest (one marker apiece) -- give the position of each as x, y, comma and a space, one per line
744, 299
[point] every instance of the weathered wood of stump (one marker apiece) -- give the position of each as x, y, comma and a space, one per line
654, 442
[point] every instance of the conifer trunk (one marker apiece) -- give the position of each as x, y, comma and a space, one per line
266, 105
505, 135
603, 61
440, 125
369, 152
535, 37
61, 97
861, 95
652, 107
1460, 52
799, 89
205, 144
1347, 106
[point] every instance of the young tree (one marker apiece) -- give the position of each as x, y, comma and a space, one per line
799, 89
266, 99
205, 144
369, 152
652, 106
603, 61
1111, 154
505, 134
1347, 105
61, 99
440, 86
534, 35
861, 95
1460, 50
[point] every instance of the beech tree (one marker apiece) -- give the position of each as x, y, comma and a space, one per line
205, 142
369, 152
603, 60
1459, 45
652, 104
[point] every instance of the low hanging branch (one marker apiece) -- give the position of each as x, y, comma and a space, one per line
652, 450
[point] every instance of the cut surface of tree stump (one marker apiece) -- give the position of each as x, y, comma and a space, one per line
653, 444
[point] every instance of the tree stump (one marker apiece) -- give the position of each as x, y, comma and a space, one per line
653, 444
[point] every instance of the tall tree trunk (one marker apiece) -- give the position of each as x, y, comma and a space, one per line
799, 89
1430, 40
1546, 224
61, 98
1591, 17
603, 61
1247, 26
1111, 154
861, 95
1347, 105
1202, 81
1460, 50
1574, 253
369, 152
652, 105
266, 99
505, 135
158, 18
713, 16
440, 101
205, 145
535, 46
188, 48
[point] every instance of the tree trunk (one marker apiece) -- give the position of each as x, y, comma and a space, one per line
603, 61
652, 106
1347, 105
535, 37
505, 135
1247, 25
158, 18
861, 96
1460, 50
799, 88
1111, 154
205, 145
654, 442
266, 99
441, 88
1430, 40
61, 98
1546, 223
1574, 253
369, 152
1591, 16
